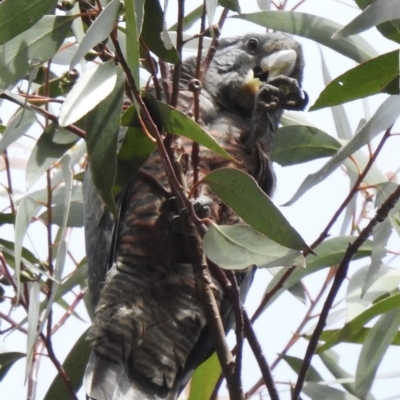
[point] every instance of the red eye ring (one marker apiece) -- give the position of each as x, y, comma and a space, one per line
252, 44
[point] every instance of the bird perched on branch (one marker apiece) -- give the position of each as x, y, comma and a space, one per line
149, 332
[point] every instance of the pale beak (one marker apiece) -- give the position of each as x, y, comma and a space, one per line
281, 62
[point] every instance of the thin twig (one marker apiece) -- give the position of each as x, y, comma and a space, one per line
340, 276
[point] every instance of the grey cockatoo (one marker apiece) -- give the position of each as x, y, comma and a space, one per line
149, 332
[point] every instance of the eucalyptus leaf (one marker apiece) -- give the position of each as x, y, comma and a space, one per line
151, 31
92, 87
353, 327
74, 219
17, 16
351, 85
20, 124
240, 192
50, 147
379, 11
205, 378
34, 46
315, 28
98, 31
176, 122
383, 118
374, 348
132, 38
74, 366
297, 144
7, 360
239, 246
102, 127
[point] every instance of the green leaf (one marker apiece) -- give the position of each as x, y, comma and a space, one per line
296, 363
93, 87
102, 127
135, 150
384, 117
34, 46
328, 253
318, 391
178, 123
232, 5
315, 28
353, 327
331, 362
205, 378
351, 85
241, 192
152, 29
20, 123
297, 144
376, 344
379, 11
357, 338
75, 215
7, 359
132, 37
16, 16
98, 31
8, 249
26, 210
74, 366
189, 20
7, 218
239, 246
50, 147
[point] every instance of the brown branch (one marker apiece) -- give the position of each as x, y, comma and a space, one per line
72, 128
381, 214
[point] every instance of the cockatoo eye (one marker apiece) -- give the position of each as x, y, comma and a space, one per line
252, 44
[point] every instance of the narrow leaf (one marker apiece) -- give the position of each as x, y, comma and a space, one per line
384, 117
315, 28
132, 39
33, 322
239, 246
151, 32
74, 217
297, 144
93, 87
317, 391
50, 147
204, 379
98, 31
7, 360
36, 45
296, 363
25, 212
74, 366
102, 127
16, 16
379, 11
376, 344
331, 361
241, 192
353, 327
378, 72
178, 123
17, 127
328, 253
232, 5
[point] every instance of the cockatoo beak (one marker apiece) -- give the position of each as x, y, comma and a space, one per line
281, 62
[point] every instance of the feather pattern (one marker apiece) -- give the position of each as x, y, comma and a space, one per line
149, 332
